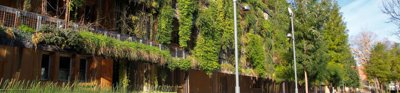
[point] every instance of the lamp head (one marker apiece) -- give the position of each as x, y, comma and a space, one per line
289, 35
290, 11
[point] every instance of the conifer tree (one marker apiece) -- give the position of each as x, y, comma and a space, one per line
339, 51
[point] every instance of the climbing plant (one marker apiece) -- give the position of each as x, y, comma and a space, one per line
165, 25
186, 8
207, 47
182, 64
256, 54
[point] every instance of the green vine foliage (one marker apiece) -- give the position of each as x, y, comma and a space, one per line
75, 4
64, 38
165, 25
207, 47
103, 45
256, 54
223, 10
186, 8
98, 44
182, 64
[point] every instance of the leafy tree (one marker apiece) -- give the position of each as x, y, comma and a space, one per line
312, 51
395, 63
378, 68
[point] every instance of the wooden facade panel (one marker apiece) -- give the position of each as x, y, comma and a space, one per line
75, 68
10, 62
54, 66
92, 68
106, 70
3, 52
199, 82
30, 64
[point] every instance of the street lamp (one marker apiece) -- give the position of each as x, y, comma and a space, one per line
294, 48
237, 88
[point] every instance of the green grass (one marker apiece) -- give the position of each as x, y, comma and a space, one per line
17, 86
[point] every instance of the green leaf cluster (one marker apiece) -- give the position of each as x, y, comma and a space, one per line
83, 41
186, 8
103, 45
256, 53
382, 64
165, 25
64, 38
182, 64
207, 47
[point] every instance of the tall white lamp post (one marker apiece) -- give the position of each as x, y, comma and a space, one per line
294, 49
237, 88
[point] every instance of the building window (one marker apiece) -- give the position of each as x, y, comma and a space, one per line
83, 70
45, 67
64, 69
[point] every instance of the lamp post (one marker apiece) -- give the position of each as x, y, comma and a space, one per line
237, 88
294, 49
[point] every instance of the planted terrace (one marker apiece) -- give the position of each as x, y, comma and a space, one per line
26, 29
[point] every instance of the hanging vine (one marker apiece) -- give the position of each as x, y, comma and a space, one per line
165, 25
208, 43
186, 8
256, 54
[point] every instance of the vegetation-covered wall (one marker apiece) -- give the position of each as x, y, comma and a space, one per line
204, 28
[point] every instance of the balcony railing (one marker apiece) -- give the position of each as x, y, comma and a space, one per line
11, 17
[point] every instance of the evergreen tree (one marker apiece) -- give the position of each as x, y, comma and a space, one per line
378, 68
312, 50
339, 50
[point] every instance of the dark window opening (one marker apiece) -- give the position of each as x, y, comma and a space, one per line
83, 70
64, 69
256, 84
45, 67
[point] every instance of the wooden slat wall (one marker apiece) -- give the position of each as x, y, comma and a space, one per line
106, 70
99, 68
54, 66
9, 62
30, 64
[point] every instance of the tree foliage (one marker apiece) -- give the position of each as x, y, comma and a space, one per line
341, 60
378, 66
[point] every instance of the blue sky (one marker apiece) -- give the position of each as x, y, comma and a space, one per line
366, 15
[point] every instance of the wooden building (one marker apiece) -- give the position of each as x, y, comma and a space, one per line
29, 63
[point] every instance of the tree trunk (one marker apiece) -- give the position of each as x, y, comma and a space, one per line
306, 80
315, 89
382, 88
44, 7
396, 86
376, 85
67, 13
